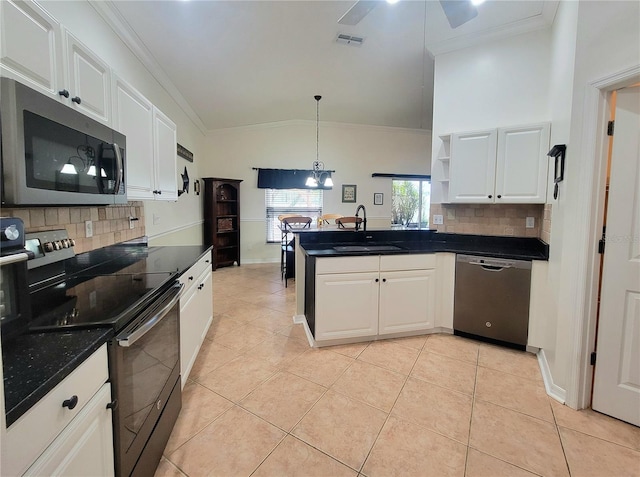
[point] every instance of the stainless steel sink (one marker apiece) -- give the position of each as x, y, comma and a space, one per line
366, 248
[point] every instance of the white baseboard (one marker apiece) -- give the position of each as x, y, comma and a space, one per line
251, 261
553, 390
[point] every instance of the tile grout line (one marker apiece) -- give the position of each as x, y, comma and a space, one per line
391, 410
473, 405
555, 422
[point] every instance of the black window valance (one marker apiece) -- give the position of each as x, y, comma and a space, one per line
285, 179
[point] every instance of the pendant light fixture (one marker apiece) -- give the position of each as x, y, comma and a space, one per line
318, 175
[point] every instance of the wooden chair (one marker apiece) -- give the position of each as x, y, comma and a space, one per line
325, 219
342, 221
287, 257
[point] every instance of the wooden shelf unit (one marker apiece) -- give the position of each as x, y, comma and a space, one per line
222, 220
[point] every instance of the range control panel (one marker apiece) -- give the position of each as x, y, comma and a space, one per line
48, 247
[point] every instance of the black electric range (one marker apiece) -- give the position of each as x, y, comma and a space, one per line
83, 301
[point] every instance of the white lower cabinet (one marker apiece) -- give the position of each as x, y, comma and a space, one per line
346, 305
406, 301
380, 295
67, 432
196, 312
85, 447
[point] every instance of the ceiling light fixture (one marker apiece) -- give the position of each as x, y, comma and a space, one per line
69, 168
318, 175
391, 2
477, 2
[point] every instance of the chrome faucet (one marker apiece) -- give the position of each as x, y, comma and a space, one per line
364, 219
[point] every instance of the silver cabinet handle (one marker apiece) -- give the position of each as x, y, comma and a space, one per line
130, 338
120, 175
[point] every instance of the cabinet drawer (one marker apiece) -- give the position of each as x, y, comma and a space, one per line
347, 264
28, 437
407, 262
191, 276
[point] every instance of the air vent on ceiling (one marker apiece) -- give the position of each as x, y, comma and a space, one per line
345, 39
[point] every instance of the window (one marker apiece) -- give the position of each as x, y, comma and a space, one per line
307, 202
410, 203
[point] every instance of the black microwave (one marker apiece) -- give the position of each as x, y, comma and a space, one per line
54, 155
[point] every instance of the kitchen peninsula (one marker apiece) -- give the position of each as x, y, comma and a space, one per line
390, 283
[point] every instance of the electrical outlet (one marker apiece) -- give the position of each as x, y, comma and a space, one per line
530, 223
438, 219
131, 220
88, 228
156, 219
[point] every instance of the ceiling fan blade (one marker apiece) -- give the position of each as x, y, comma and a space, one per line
458, 12
358, 11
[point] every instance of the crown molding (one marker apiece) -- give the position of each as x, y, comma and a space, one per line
538, 22
308, 122
112, 16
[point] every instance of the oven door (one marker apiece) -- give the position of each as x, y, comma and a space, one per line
14, 295
145, 375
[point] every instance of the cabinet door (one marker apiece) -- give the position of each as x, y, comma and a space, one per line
85, 447
346, 305
407, 301
522, 163
133, 117
31, 48
165, 151
195, 318
88, 80
472, 167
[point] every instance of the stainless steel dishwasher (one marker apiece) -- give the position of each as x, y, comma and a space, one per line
492, 299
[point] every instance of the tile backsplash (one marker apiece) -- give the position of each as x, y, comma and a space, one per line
507, 220
110, 223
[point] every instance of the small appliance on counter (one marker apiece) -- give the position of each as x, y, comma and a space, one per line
14, 294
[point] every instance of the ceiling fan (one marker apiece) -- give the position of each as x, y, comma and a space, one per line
457, 12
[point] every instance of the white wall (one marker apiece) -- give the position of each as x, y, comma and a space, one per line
353, 151
494, 84
607, 42
545, 76
179, 220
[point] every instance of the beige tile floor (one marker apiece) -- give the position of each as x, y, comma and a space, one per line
260, 402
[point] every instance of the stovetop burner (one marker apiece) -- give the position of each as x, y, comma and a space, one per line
84, 301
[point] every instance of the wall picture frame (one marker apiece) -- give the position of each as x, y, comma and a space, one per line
378, 198
349, 192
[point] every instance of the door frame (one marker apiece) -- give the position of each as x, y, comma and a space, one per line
594, 147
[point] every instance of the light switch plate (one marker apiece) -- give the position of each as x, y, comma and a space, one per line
88, 228
437, 219
530, 222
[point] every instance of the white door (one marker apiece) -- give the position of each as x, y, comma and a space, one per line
133, 117
617, 373
472, 167
346, 305
88, 80
407, 301
522, 163
166, 152
30, 47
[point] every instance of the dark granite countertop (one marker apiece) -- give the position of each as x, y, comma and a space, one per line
423, 241
34, 363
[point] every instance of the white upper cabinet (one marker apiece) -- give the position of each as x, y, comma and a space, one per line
472, 167
88, 79
166, 152
501, 166
133, 117
31, 46
151, 144
522, 163
37, 51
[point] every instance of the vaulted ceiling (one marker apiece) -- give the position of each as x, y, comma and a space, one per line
238, 63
